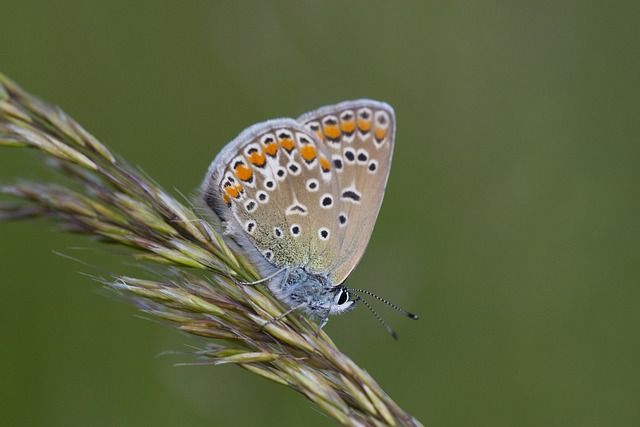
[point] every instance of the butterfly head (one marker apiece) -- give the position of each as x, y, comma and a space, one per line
342, 301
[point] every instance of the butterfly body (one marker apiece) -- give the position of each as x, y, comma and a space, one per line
312, 292
301, 198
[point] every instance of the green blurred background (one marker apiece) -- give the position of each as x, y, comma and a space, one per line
511, 220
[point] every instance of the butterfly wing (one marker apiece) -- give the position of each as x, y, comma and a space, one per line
270, 186
359, 137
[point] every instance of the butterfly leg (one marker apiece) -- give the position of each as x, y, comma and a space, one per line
283, 315
325, 320
257, 282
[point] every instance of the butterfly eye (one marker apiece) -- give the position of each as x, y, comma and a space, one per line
344, 297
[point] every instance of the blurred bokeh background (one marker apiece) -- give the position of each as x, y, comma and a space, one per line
511, 221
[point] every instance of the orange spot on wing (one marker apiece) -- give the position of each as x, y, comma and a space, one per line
324, 164
232, 191
348, 126
332, 131
380, 133
257, 158
243, 172
226, 198
287, 144
271, 149
308, 153
364, 125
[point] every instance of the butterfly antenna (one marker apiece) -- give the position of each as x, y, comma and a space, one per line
390, 304
387, 327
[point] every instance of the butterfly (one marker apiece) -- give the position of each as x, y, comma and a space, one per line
301, 197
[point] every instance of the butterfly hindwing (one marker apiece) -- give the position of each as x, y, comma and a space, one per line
274, 187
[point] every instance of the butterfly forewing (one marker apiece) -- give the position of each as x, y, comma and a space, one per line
359, 136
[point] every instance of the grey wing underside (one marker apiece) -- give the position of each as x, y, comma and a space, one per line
363, 145
307, 191
267, 185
